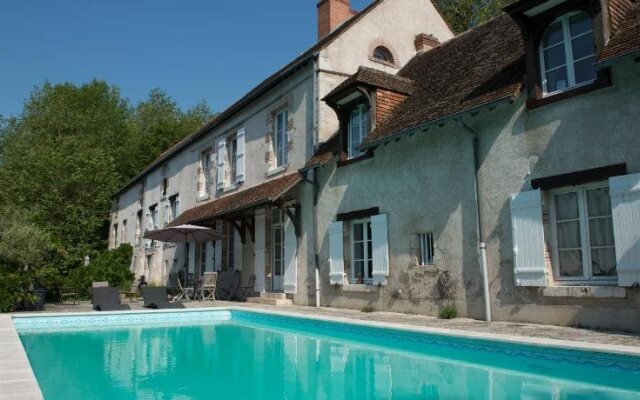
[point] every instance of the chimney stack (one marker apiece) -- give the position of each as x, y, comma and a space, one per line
331, 14
426, 42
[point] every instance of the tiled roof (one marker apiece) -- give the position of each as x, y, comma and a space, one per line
264, 86
374, 77
625, 27
261, 194
324, 153
478, 67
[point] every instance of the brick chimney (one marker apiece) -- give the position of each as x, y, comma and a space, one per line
426, 42
331, 14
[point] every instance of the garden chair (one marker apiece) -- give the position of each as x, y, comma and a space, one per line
134, 291
66, 292
183, 293
156, 298
107, 299
249, 289
228, 285
209, 283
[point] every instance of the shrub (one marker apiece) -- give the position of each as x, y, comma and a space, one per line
449, 311
367, 309
111, 266
14, 290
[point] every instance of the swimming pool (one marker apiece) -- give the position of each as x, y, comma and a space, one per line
245, 354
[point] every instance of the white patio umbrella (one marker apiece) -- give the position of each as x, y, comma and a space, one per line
182, 234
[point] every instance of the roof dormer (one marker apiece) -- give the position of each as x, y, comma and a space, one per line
562, 40
363, 101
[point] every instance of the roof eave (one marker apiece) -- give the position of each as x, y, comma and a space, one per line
429, 124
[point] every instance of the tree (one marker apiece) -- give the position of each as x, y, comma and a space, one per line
466, 14
72, 147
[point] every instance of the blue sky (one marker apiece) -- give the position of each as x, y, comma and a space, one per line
193, 49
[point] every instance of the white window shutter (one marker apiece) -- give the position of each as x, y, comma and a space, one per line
149, 220
192, 257
166, 214
237, 250
178, 210
259, 221
240, 156
380, 244
625, 210
336, 253
210, 255
528, 239
220, 169
290, 257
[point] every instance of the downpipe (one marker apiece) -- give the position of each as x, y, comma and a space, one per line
482, 246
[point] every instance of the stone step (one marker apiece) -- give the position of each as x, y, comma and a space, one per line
271, 295
269, 301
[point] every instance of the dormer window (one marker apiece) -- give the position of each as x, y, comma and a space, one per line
568, 53
358, 128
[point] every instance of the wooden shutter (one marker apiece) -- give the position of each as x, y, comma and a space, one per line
240, 156
199, 180
237, 250
217, 262
380, 244
260, 248
220, 169
290, 257
336, 254
528, 239
210, 255
177, 207
625, 211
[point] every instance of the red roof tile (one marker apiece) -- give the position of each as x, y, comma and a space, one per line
261, 194
625, 27
478, 67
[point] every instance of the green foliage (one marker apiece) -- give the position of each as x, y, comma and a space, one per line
14, 290
111, 266
449, 311
462, 15
367, 309
62, 160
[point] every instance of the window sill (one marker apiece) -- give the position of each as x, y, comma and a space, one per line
349, 161
360, 288
603, 81
276, 171
594, 292
203, 197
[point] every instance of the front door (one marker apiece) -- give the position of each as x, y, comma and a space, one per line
277, 251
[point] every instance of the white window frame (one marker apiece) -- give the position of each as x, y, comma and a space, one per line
363, 120
280, 139
155, 216
365, 236
427, 248
174, 204
568, 54
585, 242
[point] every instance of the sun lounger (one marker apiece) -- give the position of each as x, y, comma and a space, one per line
156, 298
107, 299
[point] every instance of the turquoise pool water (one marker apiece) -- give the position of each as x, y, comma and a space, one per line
246, 355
